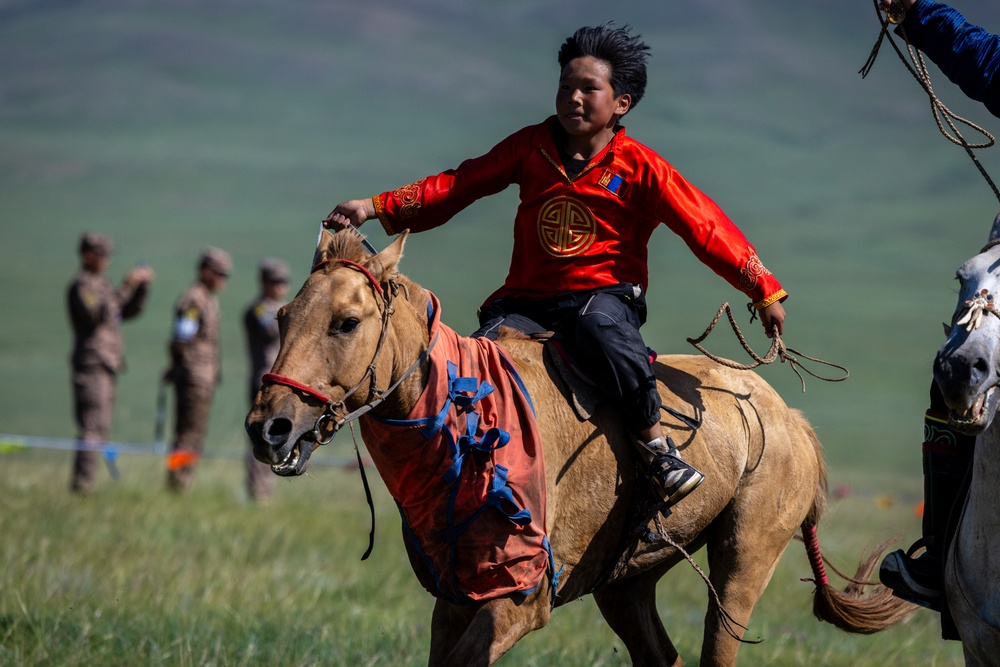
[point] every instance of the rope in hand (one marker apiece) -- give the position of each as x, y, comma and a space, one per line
778, 350
942, 114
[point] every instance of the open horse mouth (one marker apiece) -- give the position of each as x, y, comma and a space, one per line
277, 442
978, 416
295, 461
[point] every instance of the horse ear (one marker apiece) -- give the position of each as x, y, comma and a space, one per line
383, 265
995, 231
323, 246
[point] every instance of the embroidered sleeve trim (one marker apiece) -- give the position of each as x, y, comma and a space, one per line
752, 272
409, 198
382, 217
777, 296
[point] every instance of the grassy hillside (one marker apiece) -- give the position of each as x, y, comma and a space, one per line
181, 126
178, 126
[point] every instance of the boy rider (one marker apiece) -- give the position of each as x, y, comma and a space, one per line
590, 198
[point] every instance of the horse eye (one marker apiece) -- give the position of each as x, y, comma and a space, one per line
347, 326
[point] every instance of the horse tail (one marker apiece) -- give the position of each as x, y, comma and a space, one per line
850, 610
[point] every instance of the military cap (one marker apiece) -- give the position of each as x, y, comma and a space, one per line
273, 271
94, 242
216, 260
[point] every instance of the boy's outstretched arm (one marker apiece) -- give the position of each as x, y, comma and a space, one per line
773, 316
352, 212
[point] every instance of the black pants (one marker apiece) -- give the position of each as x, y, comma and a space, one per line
603, 326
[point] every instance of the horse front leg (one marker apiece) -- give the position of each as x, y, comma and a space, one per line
629, 607
478, 636
448, 624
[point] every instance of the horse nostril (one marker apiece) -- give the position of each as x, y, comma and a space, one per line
276, 431
980, 369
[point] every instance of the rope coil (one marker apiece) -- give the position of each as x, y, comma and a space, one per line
778, 350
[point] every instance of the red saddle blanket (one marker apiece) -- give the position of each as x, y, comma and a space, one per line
466, 470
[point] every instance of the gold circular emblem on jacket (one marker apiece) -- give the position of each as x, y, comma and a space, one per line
566, 227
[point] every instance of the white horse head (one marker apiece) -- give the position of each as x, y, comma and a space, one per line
967, 367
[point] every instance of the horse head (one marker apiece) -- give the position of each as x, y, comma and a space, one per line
337, 354
967, 367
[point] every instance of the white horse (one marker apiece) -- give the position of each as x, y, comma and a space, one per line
967, 370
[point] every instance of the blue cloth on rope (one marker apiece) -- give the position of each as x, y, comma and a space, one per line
458, 388
497, 497
494, 438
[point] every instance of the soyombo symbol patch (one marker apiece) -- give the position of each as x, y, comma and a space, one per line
566, 227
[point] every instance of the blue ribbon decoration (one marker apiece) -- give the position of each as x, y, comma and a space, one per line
458, 390
498, 495
493, 439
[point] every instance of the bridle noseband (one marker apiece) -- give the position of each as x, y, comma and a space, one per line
331, 407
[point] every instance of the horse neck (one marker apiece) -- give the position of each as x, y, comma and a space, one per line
406, 341
981, 516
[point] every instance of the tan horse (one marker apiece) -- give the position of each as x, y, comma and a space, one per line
766, 476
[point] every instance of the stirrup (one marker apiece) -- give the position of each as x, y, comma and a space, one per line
899, 572
922, 543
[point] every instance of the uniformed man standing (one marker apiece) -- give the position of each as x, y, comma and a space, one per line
96, 310
260, 321
195, 367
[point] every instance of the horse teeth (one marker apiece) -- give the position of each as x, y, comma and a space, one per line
288, 463
977, 408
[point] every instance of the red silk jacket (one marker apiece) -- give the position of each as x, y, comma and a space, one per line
588, 232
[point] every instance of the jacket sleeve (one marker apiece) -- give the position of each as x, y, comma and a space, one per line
967, 54
133, 300
713, 238
434, 200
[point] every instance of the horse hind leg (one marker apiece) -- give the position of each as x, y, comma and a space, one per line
629, 607
742, 556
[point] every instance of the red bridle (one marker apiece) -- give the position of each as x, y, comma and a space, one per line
274, 378
354, 265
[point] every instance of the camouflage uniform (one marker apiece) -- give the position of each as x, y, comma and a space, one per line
96, 310
261, 325
195, 369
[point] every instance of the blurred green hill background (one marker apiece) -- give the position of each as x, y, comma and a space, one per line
172, 126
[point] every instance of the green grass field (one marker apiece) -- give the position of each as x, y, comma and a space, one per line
176, 126
133, 576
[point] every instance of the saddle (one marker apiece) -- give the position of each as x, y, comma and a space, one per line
580, 388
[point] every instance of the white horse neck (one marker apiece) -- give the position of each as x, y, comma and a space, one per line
971, 582
982, 509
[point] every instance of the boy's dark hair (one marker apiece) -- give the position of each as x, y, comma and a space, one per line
625, 53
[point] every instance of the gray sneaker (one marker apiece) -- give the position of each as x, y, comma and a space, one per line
672, 477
